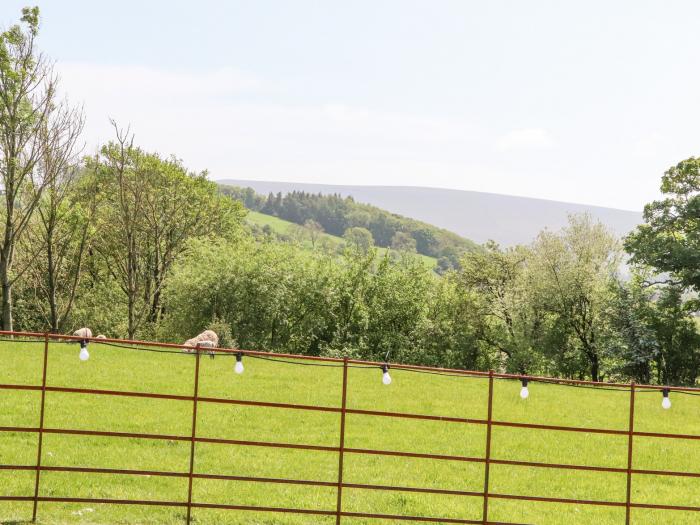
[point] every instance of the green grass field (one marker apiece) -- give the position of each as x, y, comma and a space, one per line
281, 226
126, 369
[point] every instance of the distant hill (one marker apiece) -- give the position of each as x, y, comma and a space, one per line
343, 216
282, 230
474, 215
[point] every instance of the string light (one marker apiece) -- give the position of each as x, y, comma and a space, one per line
524, 392
386, 378
238, 368
666, 401
84, 354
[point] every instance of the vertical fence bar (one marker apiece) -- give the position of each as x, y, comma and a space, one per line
41, 426
487, 463
630, 438
194, 433
339, 503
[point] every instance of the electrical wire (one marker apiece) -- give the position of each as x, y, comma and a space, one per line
272, 358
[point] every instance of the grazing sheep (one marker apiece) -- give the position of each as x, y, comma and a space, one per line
191, 342
207, 339
101, 336
85, 333
209, 335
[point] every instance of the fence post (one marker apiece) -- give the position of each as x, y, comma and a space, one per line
339, 504
487, 462
194, 433
41, 426
630, 438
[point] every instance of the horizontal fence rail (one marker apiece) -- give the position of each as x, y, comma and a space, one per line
342, 451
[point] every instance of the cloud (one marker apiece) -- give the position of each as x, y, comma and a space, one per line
227, 120
237, 124
152, 83
525, 139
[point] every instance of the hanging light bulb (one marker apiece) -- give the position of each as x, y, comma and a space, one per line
239, 364
84, 354
524, 392
666, 401
386, 378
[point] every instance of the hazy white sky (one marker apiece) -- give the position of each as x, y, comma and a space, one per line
578, 101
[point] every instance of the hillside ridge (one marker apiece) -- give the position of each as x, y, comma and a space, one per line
479, 216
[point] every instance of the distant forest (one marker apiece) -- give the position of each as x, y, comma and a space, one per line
337, 214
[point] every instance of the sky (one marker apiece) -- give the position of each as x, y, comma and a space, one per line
586, 102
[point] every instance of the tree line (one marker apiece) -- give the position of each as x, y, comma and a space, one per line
132, 243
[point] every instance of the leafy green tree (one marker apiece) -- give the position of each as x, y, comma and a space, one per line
678, 359
631, 341
509, 322
669, 240
403, 242
359, 238
573, 272
150, 208
313, 230
63, 227
272, 295
450, 328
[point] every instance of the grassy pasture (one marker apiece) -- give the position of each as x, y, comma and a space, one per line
125, 369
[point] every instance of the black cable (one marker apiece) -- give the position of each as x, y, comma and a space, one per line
286, 361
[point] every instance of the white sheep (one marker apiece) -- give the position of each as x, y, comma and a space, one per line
207, 339
85, 333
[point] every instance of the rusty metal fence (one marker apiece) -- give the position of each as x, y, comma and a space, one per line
341, 450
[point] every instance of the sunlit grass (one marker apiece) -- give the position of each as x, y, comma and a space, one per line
278, 382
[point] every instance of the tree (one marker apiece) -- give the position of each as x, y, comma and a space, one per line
314, 230
359, 238
295, 233
403, 242
669, 240
63, 226
574, 269
150, 208
272, 295
678, 359
36, 132
510, 324
631, 340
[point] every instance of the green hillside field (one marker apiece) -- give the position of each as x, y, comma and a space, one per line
116, 368
280, 226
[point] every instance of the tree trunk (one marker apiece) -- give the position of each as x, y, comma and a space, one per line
5, 265
53, 307
132, 321
6, 299
595, 367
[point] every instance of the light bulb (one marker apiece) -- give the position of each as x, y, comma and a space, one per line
84, 354
239, 364
524, 392
666, 401
386, 378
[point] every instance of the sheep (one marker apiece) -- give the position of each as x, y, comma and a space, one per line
101, 336
85, 333
207, 339
209, 335
190, 342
